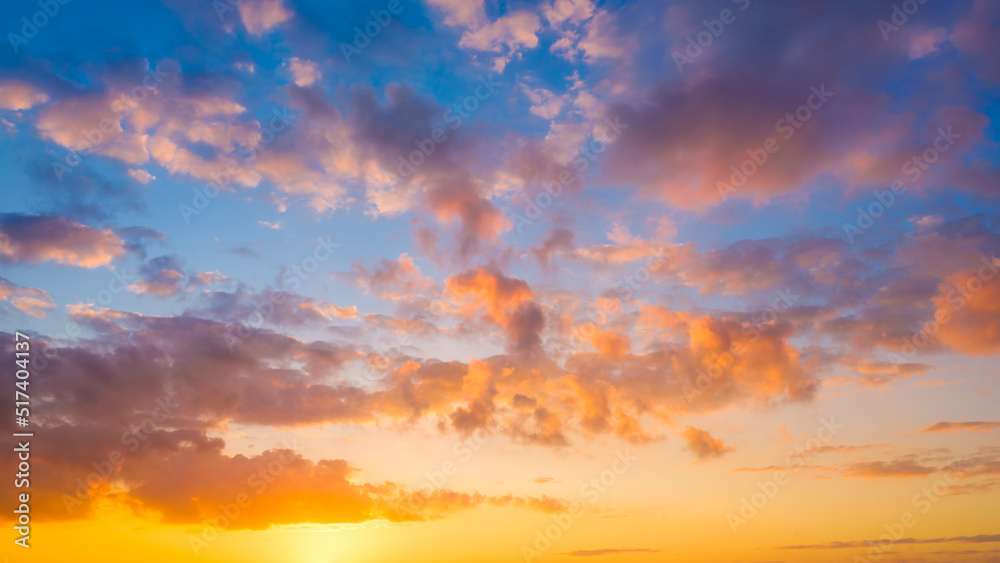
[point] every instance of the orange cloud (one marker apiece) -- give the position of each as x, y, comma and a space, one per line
967, 310
977, 426
28, 300
703, 445
895, 468
610, 345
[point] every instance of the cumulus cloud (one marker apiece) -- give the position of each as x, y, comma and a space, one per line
31, 239
18, 95
261, 16
304, 72
703, 445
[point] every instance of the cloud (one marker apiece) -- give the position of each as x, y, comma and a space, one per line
261, 16
304, 72
703, 445
161, 277
513, 30
571, 11
982, 538
17, 95
688, 136
271, 307
967, 310
945, 427
974, 35
397, 279
28, 300
282, 485
141, 176
895, 468
31, 239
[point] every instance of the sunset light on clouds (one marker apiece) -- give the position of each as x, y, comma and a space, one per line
477, 280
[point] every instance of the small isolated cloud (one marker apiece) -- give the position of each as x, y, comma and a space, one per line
205, 279
304, 72
17, 95
39, 238
161, 277
703, 445
140, 175
275, 225
28, 300
982, 538
925, 41
260, 16
895, 468
544, 480
976, 426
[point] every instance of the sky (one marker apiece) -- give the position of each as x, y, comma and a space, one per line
499, 281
